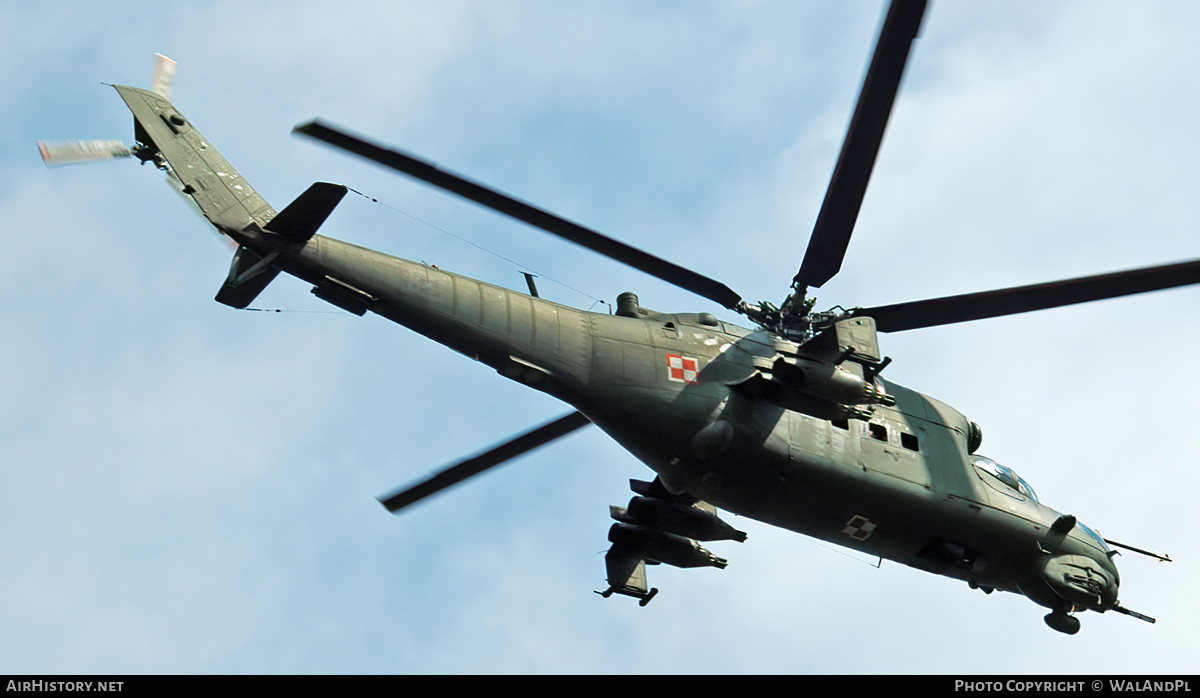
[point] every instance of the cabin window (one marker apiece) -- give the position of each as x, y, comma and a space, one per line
909, 441
841, 423
878, 431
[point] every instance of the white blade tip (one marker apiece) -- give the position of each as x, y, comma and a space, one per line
164, 75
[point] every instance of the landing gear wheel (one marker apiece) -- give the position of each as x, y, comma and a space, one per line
1062, 622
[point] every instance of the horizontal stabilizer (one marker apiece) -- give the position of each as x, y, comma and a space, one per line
300, 220
249, 274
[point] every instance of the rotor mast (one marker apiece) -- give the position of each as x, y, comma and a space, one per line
843, 199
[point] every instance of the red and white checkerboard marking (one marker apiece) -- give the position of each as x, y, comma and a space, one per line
682, 369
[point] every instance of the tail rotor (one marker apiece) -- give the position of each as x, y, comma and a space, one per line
164, 75
56, 153
71, 152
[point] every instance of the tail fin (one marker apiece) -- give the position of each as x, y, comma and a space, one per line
199, 172
169, 140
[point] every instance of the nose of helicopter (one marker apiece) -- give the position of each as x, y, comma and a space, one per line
1082, 580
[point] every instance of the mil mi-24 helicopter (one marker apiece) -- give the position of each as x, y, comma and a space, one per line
789, 422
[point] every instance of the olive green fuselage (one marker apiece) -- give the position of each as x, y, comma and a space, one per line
899, 486
671, 389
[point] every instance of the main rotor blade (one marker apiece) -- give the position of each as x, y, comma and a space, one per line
539, 218
843, 198
1023, 299
477, 464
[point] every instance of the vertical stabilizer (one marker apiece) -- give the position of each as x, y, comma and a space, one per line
164, 135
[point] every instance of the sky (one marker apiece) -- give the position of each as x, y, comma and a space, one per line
189, 488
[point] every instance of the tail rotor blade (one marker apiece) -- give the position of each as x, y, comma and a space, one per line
489, 459
164, 75
70, 152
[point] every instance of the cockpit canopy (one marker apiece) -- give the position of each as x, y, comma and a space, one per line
1094, 536
999, 476
1005, 475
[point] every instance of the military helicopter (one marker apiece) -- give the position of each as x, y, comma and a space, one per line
790, 422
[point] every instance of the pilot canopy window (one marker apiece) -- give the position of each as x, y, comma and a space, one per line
1004, 474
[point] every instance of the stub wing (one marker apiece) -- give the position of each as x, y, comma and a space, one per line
660, 528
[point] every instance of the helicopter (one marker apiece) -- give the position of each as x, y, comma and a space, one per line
801, 386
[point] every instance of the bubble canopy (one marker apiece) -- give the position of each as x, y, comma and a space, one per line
1004, 474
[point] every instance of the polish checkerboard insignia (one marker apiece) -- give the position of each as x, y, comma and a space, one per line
682, 369
859, 528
